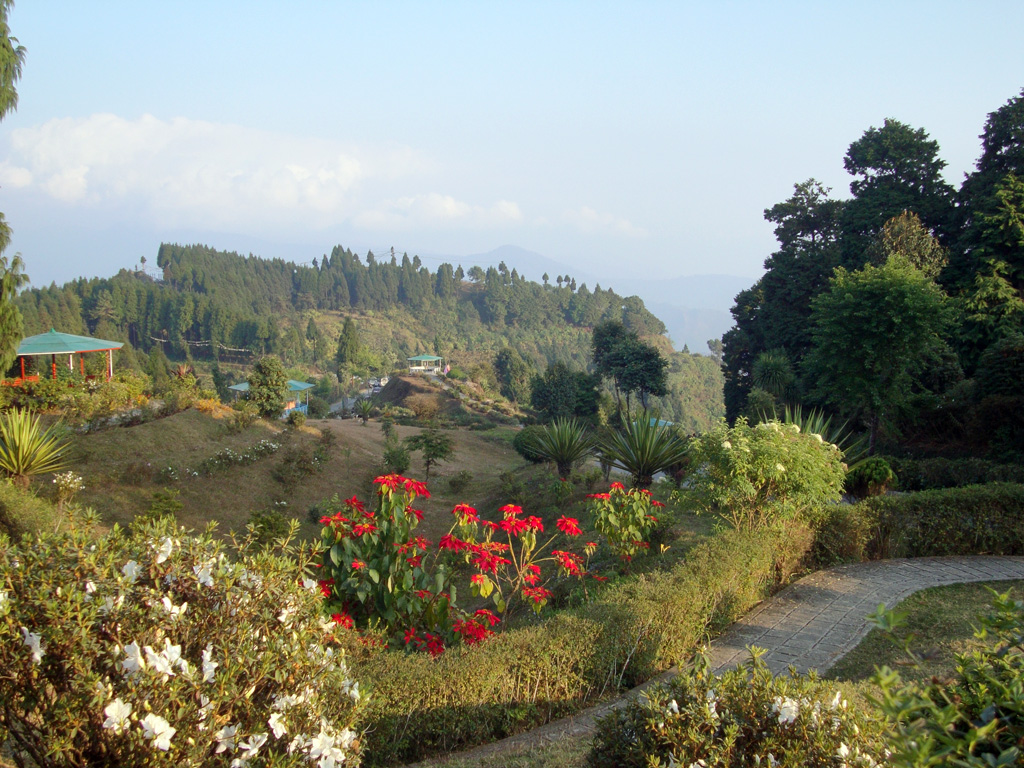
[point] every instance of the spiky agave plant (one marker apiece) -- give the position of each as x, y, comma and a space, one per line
643, 448
27, 450
815, 422
563, 442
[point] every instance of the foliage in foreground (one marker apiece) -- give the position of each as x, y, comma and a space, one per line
745, 717
150, 647
977, 719
752, 475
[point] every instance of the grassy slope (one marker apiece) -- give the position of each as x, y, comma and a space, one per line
121, 467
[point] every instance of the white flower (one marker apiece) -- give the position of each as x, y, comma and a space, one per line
352, 689
131, 571
284, 616
310, 584
134, 661
208, 664
252, 746
90, 588
203, 574
3, 599
276, 725
786, 709
32, 640
843, 752
110, 603
817, 437
726, 444
159, 731
225, 738
780, 468
171, 608
673, 707
164, 661
165, 549
117, 715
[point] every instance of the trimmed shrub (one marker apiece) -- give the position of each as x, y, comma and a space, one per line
841, 535
153, 648
871, 477
524, 677
736, 719
524, 443
296, 419
928, 474
460, 480
976, 520
23, 512
318, 408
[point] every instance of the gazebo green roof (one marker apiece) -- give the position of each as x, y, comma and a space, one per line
293, 386
424, 359
54, 343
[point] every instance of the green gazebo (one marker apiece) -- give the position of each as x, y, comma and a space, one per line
54, 344
425, 364
293, 403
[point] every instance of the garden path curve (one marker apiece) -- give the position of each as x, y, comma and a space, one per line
810, 624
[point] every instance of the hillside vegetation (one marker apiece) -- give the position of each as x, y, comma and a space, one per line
212, 306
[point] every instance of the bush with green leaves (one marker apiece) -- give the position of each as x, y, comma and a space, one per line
870, 477
296, 419
153, 647
524, 442
268, 386
976, 520
624, 518
460, 481
939, 472
744, 717
318, 408
975, 719
750, 476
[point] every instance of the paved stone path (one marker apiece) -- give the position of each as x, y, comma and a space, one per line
810, 624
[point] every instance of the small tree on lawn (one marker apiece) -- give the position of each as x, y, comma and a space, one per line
267, 385
436, 447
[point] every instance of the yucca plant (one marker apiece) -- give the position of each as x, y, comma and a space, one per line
643, 448
27, 450
364, 408
563, 442
816, 422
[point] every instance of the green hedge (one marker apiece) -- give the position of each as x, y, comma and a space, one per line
928, 474
524, 677
976, 520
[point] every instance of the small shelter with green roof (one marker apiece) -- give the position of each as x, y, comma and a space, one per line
54, 344
425, 364
292, 404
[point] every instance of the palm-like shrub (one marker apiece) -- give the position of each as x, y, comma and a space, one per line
364, 409
643, 448
563, 442
815, 422
26, 449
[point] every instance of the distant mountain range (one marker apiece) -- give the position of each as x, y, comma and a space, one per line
694, 308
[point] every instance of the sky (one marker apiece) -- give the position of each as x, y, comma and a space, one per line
640, 139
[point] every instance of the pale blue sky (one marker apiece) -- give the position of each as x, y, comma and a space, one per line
641, 138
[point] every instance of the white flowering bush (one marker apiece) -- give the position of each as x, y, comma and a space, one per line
744, 718
754, 475
151, 647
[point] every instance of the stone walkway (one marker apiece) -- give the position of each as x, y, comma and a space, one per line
810, 624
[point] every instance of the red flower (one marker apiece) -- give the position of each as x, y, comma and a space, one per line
344, 619
416, 488
513, 525
358, 565
325, 586
421, 543
410, 634
424, 594
657, 504
414, 561
511, 509
599, 578
602, 496
391, 482
568, 561
466, 514
489, 524
450, 542
417, 513
570, 526
486, 614
478, 578
489, 563
362, 528
531, 579
537, 594
535, 523
355, 504
617, 487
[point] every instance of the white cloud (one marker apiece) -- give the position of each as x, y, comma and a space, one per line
436, 210
590, 222
185, 172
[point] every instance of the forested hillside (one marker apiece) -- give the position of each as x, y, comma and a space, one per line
900, 308
212, 305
